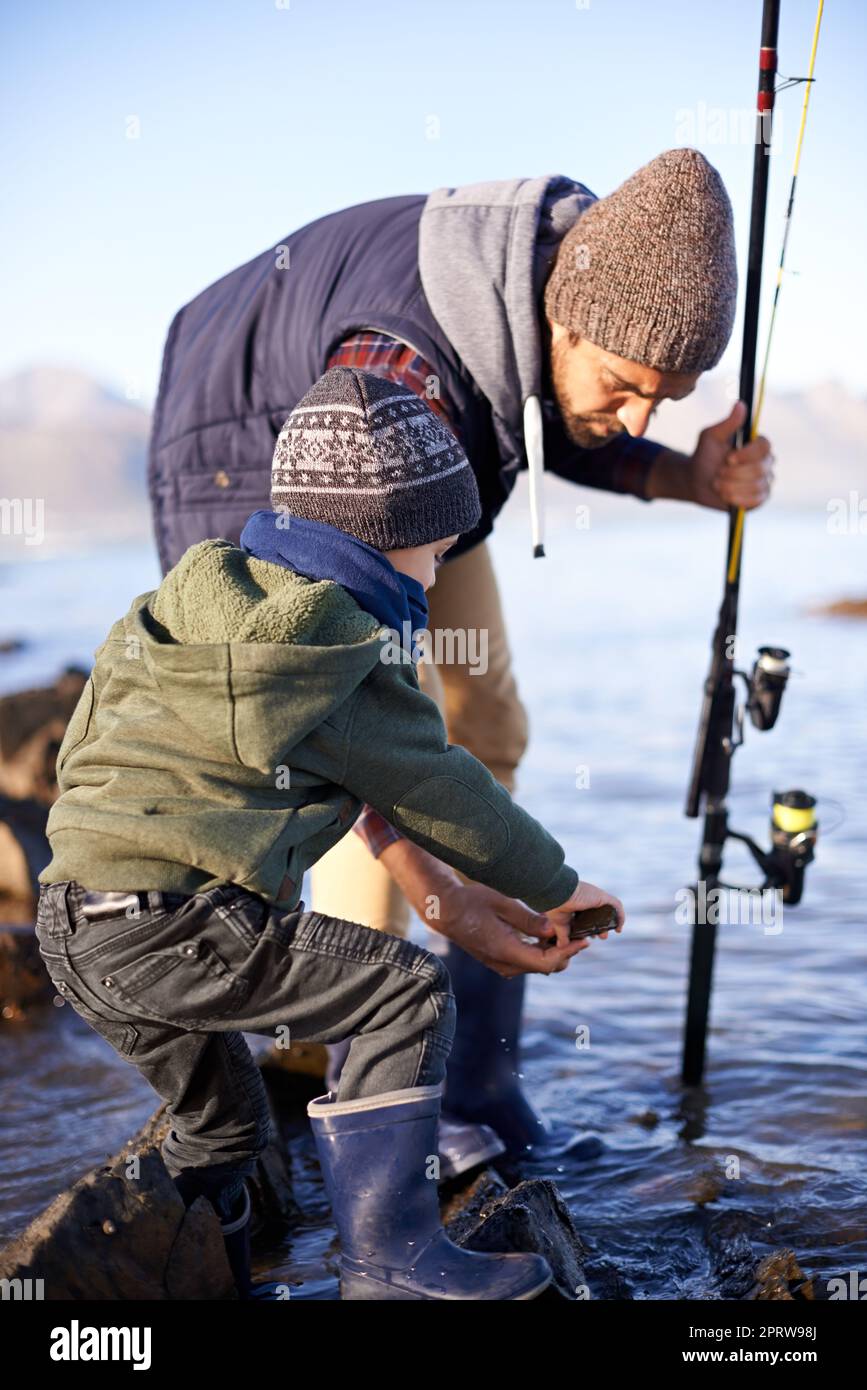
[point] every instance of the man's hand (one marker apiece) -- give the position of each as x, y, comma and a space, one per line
725, 477
716, 475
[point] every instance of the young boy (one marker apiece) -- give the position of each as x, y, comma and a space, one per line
235, 721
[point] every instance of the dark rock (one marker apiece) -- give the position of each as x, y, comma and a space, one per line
844, 608
737, 1273
32, 725
530, 1217
24, 853
779, 1276
462, 1201
122, 1232
304, 1058
24, 981
648, 1119
116, 1236
734, 1267
607, 1282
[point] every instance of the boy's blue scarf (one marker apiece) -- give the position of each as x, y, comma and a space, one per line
320, 551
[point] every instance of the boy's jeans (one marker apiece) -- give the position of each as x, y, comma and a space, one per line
172, 989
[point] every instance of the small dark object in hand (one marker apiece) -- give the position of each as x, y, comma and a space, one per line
592, 922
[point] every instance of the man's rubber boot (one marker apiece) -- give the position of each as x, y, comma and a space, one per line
482, 1072
375, 1154
462, 1145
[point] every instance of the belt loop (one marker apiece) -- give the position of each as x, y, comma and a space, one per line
71, 915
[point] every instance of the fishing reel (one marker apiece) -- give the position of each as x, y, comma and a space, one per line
766, 685
794, 831
794, 824
794, 827
764, 692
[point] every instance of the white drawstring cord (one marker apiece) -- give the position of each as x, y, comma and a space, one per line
536, 460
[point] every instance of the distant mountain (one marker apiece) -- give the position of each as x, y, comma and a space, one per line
68, 439
79, 446
819, 437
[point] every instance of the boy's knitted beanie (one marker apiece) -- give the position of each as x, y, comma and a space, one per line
649, 273
368, 456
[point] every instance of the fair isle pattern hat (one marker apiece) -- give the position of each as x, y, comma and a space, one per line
368, 456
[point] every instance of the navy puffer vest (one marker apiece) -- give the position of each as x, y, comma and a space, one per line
240, 356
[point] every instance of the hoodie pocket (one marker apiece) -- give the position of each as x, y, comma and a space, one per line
188, 984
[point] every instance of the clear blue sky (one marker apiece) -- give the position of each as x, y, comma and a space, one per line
257, 116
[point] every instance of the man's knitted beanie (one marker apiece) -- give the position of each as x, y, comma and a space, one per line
368, 456
649, 272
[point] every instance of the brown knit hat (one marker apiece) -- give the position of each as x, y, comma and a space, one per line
649, 273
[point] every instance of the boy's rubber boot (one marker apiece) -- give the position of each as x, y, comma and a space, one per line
236, 1238
375, 1154
482, 1072
462, 1144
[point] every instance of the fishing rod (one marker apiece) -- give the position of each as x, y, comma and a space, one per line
794, 826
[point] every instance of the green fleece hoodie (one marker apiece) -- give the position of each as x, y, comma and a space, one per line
235, 721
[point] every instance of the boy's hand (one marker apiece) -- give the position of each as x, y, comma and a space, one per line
490, 927
484, 923
585, 895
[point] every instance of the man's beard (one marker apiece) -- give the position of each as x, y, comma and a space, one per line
588, 431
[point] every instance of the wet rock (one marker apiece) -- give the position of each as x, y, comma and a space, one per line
122, 1232
779, 1276
531, 1217
24, 981
607, 1282
648, 1119
304, 1058
32, 725
706, 1184
699, 1184
24, 852
273, 1204
734, 1266
294, 1076
737, 1272
843, 608
113, 1236
462, 1202
197, 1259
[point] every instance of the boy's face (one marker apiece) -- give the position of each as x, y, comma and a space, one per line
420, 561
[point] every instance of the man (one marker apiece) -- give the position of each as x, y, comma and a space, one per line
544, 325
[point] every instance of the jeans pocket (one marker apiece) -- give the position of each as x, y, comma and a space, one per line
122, 1036
188, 983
